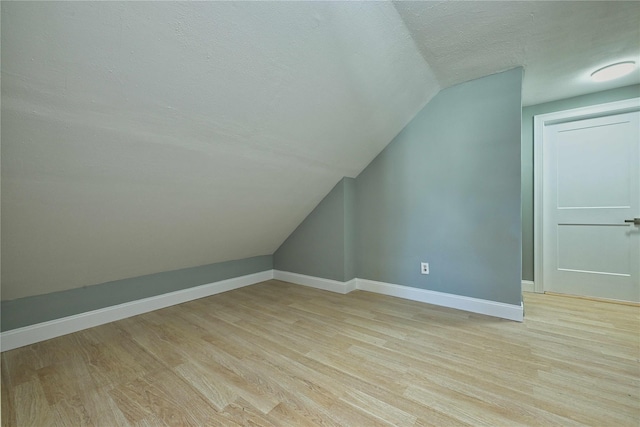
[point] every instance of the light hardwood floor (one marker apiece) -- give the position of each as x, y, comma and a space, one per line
282, 354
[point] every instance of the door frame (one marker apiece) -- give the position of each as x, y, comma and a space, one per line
540, 122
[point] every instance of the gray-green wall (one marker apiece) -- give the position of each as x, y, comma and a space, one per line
446, 191
323, 243
527, 156
41, 308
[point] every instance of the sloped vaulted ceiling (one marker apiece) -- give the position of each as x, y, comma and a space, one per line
140, 137
152, 136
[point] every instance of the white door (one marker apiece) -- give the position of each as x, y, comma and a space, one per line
591, 190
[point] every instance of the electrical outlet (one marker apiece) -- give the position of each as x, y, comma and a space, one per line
424, 267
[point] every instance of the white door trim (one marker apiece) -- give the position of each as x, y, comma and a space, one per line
540, 121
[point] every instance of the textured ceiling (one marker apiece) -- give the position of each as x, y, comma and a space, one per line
559, 43
140, 137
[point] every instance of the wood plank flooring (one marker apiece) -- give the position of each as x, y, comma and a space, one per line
278, 354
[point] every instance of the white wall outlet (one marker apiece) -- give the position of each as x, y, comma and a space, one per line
424, 267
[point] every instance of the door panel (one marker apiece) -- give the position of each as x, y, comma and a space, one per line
593, 169
591, 185
610, 256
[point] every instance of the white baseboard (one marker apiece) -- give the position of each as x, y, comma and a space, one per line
315, 282
20, 337
43, 331
474, 305
528, 286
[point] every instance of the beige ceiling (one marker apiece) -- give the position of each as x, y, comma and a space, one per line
140, 137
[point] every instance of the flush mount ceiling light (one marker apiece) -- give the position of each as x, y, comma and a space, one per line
613, 71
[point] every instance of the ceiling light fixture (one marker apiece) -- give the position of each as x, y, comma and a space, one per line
613, 71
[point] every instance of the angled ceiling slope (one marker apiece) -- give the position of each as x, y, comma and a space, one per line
151, 136
141, 137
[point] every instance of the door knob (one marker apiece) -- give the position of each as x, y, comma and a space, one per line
634, 221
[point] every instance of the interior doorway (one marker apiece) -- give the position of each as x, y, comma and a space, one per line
586, 201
